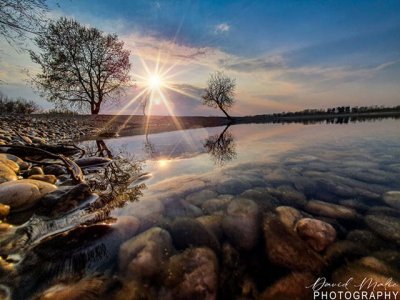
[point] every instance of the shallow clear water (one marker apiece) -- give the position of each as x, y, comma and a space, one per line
240, 191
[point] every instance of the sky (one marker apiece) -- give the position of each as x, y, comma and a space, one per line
285, 55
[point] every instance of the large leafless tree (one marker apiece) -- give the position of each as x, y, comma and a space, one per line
220, 92
80, 66
19, 18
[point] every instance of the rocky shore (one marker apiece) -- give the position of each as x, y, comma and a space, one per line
42, 129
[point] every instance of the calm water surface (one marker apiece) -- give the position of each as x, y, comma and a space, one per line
243, 212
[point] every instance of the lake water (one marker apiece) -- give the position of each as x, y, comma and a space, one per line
241, 212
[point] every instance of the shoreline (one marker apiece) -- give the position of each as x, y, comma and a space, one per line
42, 128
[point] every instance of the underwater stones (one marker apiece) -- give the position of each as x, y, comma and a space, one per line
288, 196
385, 226
216, 205
342, 251
380, 275
392, 198
286, 249
290, 287
186, 232
148, 211
197, 198
6, 174
262, 197
192, 274
368, 240
55, 170
241, 223
25, 193
288, 216
87, 288
316, 233
213, 223
144, 256
180, 208
232, 186
330, 210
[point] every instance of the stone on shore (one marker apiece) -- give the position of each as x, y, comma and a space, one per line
46, 178
6, 174
25, 193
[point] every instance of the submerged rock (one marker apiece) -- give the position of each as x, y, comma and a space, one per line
25, 193
288, 216
318, 234
192, 274
286, 249
241, 223
197, 198
392, 199
213, 223
385, 226
216, 205
290, 287
330, 210
186, 232
148, 211
145, 255
84, 289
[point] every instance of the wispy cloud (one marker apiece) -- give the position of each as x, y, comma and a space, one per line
222, 28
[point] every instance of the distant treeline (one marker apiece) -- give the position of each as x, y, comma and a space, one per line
17, 106
339, 111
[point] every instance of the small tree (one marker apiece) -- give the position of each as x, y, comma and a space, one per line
80, 66
219, 92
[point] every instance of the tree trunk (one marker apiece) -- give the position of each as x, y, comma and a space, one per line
226, 114
95, 108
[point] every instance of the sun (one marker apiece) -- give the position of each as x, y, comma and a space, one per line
155, 82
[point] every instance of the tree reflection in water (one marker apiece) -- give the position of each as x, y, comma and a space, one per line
115, 184
221, 147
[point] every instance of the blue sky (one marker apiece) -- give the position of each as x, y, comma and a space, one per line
285, 55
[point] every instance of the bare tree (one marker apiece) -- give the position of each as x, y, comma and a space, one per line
81, 66
21, 17
220, 92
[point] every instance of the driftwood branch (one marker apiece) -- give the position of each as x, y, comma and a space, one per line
73, 169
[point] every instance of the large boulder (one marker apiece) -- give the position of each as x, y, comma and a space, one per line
241, 223
25, 193
316, 233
